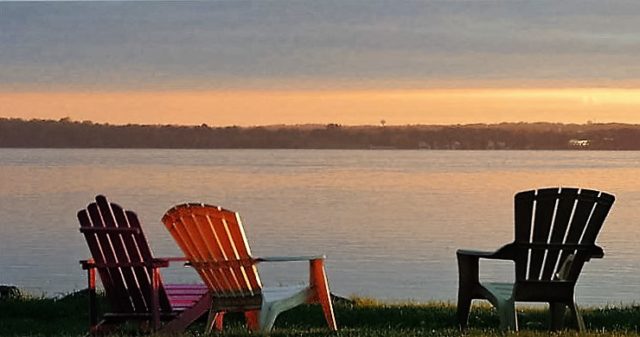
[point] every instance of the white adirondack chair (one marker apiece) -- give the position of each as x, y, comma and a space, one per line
214, 242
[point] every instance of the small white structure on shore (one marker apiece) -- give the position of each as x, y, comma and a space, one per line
579, 142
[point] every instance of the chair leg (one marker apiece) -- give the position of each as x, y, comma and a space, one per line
508, 317
468, 271
93, 310
155, 299
556, 313
219, 321
251, 319
320, 285
463, 309
269, 311
577, 316
268, 316
214, 321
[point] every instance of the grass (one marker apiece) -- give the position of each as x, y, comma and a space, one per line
67, 316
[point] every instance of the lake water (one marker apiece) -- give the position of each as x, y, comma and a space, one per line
389, 221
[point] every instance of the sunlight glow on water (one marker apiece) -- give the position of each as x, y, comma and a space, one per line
389, 221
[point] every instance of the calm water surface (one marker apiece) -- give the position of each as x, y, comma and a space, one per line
389, 221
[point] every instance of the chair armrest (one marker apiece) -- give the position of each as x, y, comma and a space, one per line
172, 259
87, 264
475, 253
504, 253
317, 275
251, 261
289, 258
222, 264
597, 252
175, 259
469, 264
160, 262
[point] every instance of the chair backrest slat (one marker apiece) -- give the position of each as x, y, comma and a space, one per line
122, 296
524, 202
202, 239
236, 232
209, 234
218, 247
114, 293
544, 212
564, 210
128, 288
581, 215
120, 251
551, 216
584, 207
140, 276
221, 245
598, 216
145, 254
185, 242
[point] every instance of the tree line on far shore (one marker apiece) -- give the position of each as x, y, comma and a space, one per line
66, 133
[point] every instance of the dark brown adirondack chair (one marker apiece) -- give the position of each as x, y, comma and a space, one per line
555, 233
130, 274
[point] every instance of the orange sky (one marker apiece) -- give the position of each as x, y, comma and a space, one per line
298, 62
349, 107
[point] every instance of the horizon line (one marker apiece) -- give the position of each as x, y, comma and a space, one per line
68, 119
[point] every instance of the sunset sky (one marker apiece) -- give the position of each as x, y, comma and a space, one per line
296, 62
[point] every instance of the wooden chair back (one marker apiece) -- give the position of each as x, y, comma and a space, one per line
119, 247
555, 232
213, 240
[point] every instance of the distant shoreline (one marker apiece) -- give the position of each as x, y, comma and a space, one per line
64, 133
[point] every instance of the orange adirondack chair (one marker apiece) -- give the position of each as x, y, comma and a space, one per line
555, 234
130, 274
213, 240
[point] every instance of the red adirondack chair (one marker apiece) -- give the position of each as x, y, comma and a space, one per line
130, 274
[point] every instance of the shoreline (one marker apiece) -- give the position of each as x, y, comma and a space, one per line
65, 133
68, 316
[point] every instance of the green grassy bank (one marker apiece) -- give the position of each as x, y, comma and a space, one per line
67, 316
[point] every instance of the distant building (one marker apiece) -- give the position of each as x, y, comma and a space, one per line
580, 143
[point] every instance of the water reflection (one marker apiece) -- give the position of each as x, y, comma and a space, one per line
390, 221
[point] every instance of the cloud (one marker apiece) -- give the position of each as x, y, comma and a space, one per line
275, 44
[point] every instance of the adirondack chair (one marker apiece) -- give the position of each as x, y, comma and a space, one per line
213, 240
555, 233
130, 274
